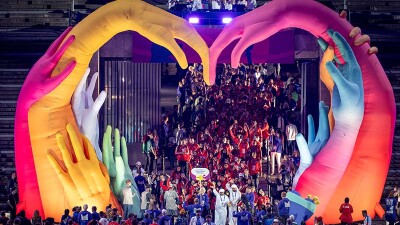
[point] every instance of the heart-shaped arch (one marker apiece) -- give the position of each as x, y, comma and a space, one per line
38, 121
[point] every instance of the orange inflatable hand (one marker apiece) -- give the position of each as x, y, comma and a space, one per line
80, 173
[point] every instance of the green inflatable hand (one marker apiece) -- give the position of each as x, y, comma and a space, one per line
118, 166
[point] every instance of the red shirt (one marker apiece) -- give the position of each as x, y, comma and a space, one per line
163, 186
183, 153
254, 166
346, 210
243, 146
262, 200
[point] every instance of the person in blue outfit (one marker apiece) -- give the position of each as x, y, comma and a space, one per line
250, 197
243, 216
390, 212
165, 219
154, 212
84, 216
146, 220
65, 217
283, 208
95, 214
260, 214
204, 200
193, 208
75, 215
182, 220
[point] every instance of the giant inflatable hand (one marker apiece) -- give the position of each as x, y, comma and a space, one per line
315, 142
348, 110
80, 172
118, 167
371, 154
86, 110
53, 111
38, 83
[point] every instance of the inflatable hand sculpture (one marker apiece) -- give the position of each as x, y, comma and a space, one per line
81, 173
86, 110
370, 158
348, 110
315, 142
37, 124
118, 166
301, 208
37, 84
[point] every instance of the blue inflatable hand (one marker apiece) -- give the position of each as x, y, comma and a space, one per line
315, 142
301, 208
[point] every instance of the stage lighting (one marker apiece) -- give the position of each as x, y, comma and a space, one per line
194, 20
226, 20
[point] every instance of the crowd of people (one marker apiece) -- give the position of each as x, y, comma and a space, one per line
224, 5
249, 119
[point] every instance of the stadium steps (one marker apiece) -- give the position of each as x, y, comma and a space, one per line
11, 81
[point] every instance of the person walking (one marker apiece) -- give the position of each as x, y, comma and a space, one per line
128, 196
220, 206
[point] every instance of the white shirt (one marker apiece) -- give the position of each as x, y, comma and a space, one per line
193, 220
144, 200
234, 196
222, 200
103, 221
128, 195
291, 132
367, 221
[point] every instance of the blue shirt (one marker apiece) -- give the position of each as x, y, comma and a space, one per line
64, 219
204, 199
391, 204
154, 213
283, 207
260, 215
192, 209
84, 217
250, 197
95, 216
75, 216
243, 217
140, 183
147, 221
181, 221
165, 220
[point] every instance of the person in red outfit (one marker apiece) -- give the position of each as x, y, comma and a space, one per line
182, 154
346, 210
254, 168
262, 199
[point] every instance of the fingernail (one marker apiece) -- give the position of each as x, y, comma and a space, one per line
357, 42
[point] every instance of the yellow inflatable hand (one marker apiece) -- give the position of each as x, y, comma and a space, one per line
80, 172
326, 78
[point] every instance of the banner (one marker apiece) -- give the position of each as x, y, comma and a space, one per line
279, 48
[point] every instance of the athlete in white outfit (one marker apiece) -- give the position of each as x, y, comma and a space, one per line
234, 198
220, 206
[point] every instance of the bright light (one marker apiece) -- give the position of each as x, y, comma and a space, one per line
194, 20
226, 20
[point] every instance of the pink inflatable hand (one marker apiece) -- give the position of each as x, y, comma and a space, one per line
37, 84
372, 150
39, 81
